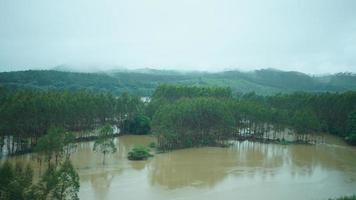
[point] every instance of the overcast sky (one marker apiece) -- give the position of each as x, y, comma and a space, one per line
312, 36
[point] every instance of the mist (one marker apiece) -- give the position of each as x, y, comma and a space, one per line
316, 36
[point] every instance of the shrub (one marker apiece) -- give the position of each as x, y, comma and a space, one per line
152, 145
139, 153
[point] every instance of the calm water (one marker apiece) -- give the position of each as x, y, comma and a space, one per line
246, 170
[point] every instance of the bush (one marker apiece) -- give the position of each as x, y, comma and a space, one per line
152, 145
139, 153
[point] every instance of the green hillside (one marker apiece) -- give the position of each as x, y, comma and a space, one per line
143, 82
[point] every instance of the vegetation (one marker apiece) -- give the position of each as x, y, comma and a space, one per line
57, 183
179, 116
139, 152
351, 128
139, 125
177, 119
27, 115
152, 145
192, 122
60, 181
15, 181
55, 144
143, 82
105, 143
345, 198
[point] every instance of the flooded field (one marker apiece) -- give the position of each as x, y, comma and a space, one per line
245, 170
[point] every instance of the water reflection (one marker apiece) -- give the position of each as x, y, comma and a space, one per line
101, 183
197, 167
138, 165
206, 167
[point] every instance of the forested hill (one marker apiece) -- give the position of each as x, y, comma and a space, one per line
143, 82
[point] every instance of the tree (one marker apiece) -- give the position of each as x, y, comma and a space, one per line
28, 115
67, 186
140, 125
7, 175
15, 181
55, 144
58, 183
192, 122
105, 142
351, 128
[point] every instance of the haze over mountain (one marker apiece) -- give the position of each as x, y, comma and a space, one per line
316, 36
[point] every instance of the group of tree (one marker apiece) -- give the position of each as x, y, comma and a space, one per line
60, 180
59, 183
27, 115
55, 145
191, 116
307, 112
192, 122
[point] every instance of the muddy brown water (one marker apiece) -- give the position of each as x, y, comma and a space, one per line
246, 170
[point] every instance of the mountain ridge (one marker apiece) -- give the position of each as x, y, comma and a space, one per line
144, 81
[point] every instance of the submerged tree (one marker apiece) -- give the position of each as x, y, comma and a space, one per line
192, 122
15, 181
351, 128
27, 115
105, 142
55, 144
67, 186
59, 183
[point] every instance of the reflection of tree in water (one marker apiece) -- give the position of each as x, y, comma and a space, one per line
205, 167
202, 167
303, 160
267, 159
100, 180
306, 158
299, 160
257, 158
139, 165
101, 183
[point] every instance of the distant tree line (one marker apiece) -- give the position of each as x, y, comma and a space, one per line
180, 116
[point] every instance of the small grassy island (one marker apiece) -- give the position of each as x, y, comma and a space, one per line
139, 152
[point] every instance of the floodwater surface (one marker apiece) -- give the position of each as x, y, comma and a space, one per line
246, 170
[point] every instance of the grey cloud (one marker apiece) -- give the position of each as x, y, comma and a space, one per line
316, 36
